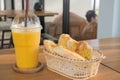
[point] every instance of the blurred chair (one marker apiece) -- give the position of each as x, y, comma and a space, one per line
5, 34
89, 32
77, 24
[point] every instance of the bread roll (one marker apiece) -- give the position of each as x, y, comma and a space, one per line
60, 50
49, 45
72, 44
85, 50
63, 40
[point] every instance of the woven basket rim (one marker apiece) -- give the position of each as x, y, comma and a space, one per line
76, 60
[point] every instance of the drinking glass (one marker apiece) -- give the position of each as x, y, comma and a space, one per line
26, 40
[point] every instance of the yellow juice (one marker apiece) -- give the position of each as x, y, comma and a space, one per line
26, 49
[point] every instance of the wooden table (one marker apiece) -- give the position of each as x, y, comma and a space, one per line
40, 14
108, 70
111, 49
13, 13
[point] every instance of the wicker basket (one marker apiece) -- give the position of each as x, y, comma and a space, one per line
72, 68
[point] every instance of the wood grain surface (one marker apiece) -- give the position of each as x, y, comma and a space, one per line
111, 49
8, 60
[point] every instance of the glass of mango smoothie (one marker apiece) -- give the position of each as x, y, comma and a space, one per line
26, 40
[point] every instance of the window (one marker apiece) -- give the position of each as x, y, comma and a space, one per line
1, 4
96, 3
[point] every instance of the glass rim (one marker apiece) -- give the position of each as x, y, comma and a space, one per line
18, 27
25, 27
